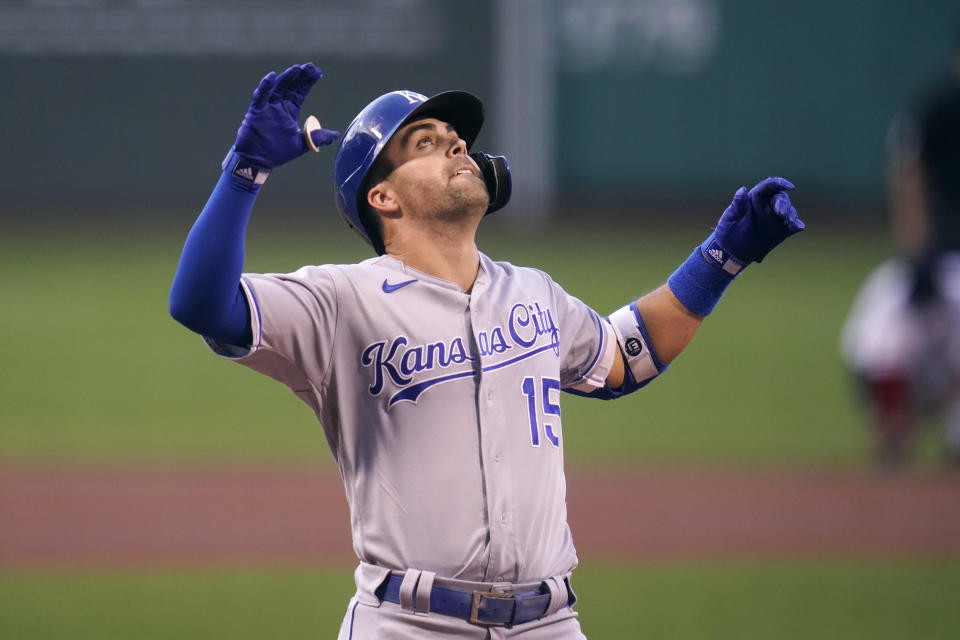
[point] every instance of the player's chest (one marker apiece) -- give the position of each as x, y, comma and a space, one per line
405, 352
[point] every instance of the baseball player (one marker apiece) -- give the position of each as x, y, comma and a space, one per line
901, 337
435, 371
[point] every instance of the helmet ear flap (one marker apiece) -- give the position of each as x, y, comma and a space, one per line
496, 175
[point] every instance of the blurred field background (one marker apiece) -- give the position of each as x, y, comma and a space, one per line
646, 116
102, 370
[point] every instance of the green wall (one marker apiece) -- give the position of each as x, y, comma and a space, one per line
802, 89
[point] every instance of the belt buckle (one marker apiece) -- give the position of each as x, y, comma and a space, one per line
475, 607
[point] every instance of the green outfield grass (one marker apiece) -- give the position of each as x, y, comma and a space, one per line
712, 601
94, 366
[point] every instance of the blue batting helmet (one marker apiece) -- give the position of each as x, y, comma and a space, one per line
368, 134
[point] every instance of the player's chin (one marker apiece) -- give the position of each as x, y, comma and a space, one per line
467, 203
470, 190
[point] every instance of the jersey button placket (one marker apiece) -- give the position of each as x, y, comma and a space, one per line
492, 441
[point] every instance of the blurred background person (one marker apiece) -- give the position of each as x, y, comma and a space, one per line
902, 336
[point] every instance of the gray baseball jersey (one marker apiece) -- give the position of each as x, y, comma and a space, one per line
441, 407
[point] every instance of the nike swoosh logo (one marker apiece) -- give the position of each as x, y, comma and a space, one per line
390, 288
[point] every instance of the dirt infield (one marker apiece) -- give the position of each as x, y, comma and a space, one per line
75, 515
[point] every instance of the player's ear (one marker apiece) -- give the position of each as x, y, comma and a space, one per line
381, 199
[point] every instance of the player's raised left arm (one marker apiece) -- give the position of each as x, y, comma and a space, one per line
653, 330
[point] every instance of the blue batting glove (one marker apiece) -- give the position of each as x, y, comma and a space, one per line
269, 135
755, 222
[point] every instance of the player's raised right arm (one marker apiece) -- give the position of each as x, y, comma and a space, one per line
206, 296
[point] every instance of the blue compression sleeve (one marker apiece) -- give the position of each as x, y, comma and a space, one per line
206, 296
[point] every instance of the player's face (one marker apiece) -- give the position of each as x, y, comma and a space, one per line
433, 175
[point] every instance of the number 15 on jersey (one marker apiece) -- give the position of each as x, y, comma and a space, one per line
531, 390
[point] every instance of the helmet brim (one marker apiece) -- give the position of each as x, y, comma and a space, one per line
459, 108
